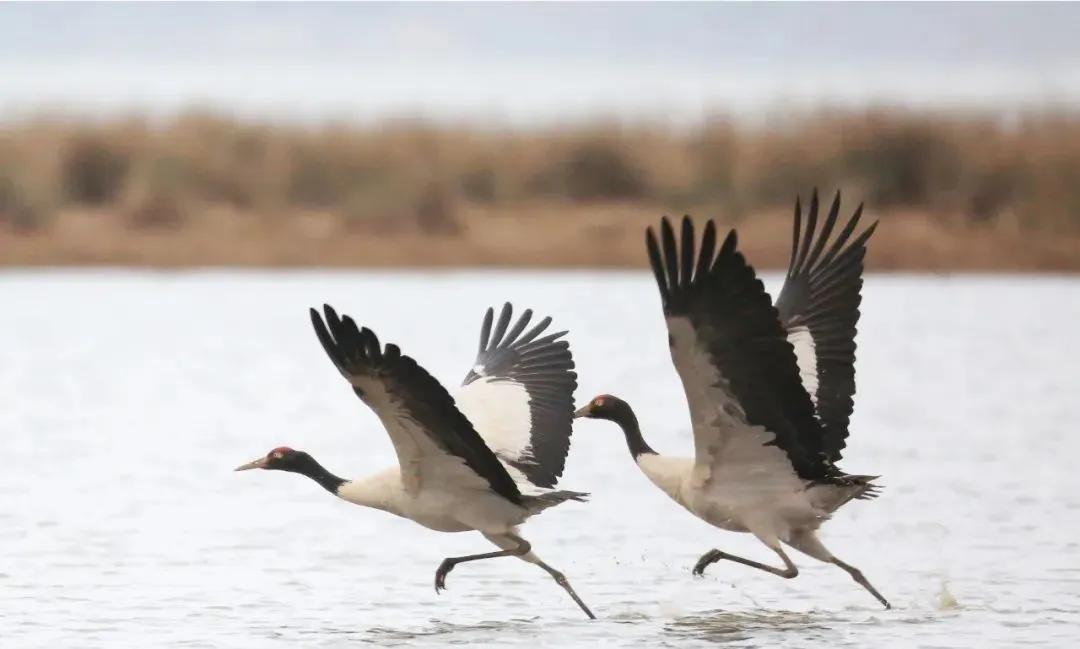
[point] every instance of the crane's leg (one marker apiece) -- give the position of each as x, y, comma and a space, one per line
808, 543
561, 580
790, 571
503, 541
517, 547
857, 575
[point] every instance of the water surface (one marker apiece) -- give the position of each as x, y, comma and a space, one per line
129, 397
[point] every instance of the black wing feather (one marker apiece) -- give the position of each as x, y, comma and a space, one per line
822, 293
357, 352
734, 319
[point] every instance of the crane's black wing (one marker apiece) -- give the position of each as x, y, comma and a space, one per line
751, 416
435, 443
819, 309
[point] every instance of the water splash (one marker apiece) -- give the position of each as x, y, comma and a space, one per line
946, 601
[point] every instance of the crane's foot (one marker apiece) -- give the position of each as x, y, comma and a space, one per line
440, 575
706, 560
561, 580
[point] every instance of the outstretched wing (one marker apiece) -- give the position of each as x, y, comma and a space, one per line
751, 415
520, 394
435, 443
819, 309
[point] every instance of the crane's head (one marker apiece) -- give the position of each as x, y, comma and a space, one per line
604, 406
281, 458
284, 458
618, 411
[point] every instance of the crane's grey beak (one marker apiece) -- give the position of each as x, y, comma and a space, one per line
254, 464
583, 411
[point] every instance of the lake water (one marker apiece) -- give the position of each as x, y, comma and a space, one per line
128, 398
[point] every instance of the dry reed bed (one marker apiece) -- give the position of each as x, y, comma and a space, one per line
955, 191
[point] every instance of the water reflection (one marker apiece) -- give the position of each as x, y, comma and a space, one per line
731, 626
451, 632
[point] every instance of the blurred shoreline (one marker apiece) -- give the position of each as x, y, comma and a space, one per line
953, 191
597, 236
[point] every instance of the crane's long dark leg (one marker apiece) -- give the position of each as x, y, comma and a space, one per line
790, 571
502, 540
808, 543
561, 580
857, 575
521, 547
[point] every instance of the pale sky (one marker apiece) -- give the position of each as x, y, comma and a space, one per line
533, 63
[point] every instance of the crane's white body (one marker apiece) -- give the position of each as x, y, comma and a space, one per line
450, 508
769, 514
436, 489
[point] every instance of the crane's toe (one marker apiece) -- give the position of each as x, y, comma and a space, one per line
707, 559
440, 575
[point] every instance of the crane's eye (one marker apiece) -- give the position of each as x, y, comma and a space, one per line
598, 402
276, 455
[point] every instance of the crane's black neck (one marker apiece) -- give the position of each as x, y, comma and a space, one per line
622, 414
306, 465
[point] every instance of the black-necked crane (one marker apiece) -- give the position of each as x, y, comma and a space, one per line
486, 462
769, 387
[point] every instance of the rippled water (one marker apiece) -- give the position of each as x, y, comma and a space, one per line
128, 398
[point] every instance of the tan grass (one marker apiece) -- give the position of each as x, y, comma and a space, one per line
955, 191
